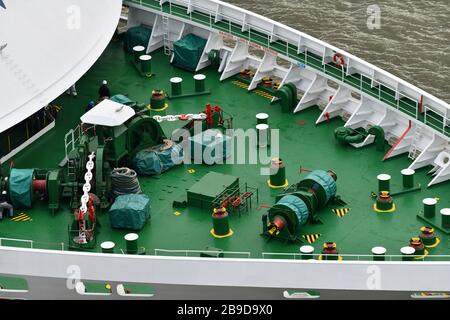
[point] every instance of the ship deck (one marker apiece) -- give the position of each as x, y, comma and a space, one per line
302, 144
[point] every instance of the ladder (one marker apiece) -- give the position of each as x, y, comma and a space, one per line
71, 170
413, 150
166, 35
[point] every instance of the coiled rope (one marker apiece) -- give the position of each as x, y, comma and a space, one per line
124, 181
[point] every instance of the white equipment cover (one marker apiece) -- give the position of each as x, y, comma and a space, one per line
45, 47
108, 113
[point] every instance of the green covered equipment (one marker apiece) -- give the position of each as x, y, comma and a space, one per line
120, 98
130, 211
188, 51
136, 36
20, 187
154, 161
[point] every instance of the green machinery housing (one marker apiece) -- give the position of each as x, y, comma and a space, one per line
299, 204
113, 147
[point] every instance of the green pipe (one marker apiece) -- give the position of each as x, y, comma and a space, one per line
293, 89
285, 95
378, 132
347, 135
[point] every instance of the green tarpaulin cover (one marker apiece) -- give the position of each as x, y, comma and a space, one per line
130, 211
150, 162
188, 51
20, 181
120, 98
137, 36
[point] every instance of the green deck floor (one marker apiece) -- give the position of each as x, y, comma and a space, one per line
303, 145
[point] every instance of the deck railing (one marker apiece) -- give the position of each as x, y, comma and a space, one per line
196, 253
258, 36
30, 244
354, 257
22, 243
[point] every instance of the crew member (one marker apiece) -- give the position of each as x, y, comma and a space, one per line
4, 205
90, 106
104, 92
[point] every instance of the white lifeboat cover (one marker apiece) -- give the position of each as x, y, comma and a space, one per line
45, 47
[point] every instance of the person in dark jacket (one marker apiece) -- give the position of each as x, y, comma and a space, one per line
89, 106
104, 90
4, 205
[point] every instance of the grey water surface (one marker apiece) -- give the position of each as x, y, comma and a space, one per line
413, 41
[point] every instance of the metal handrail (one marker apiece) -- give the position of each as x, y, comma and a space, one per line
184, 5
187, 252
33, 244
355, 257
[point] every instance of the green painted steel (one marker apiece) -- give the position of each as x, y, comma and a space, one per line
262, 118
429, 207
221, 224
107, 247
278, 173
199, 82
308, 145
445, 215
146, 64
54, 189
408, 178
287, 101
131, 240
384, 182
346, 135
138, 51
176, 86
378, 132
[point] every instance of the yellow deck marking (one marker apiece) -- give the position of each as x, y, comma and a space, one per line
378, 210
264, 94
434, 245
229, 234
191, 170
240, 84
341, 212
21, 217
177, 213
311, 238
422, 256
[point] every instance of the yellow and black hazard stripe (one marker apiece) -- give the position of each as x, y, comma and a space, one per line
311, 238
240, 84
21, 217
341, 212
264, 94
